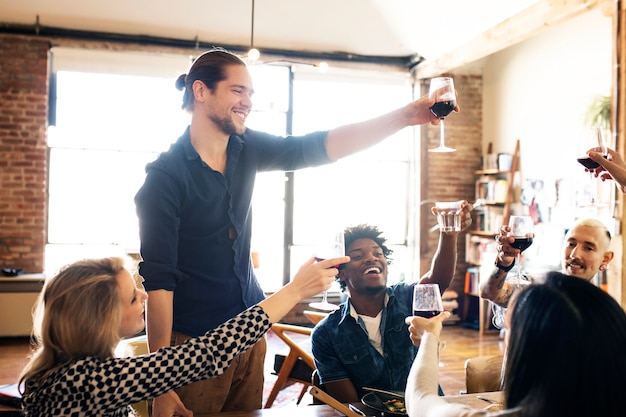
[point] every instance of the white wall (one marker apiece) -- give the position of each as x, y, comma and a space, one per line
539, 90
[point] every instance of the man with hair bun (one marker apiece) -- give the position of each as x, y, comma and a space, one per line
194, 212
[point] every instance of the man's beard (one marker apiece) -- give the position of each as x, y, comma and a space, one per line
227, 125
375, 290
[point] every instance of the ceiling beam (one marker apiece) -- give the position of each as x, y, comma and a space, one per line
57, 34
521, 26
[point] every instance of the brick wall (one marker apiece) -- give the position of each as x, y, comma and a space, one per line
23, 152
450, 176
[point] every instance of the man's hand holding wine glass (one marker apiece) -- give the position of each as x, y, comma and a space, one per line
506, 254
443, 93
512, 240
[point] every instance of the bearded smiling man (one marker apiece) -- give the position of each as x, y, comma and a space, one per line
585, 252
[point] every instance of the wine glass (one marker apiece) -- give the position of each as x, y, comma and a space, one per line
522, 230
591, 138
331, 247
442, 90
427, 300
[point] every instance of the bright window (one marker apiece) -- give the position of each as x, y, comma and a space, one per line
109, 126
369, 187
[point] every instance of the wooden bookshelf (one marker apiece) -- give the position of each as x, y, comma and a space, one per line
495, 188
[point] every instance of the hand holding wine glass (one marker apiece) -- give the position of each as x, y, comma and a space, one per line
612, 167
442, 90
592, 138
521, 229
331, 247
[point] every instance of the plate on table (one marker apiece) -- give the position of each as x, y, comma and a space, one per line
380, 402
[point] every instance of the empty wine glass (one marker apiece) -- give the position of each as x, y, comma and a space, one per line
442, 90
427, 300
591, 138
522, 230
332, 246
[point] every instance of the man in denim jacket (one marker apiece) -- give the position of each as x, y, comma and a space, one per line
365, 343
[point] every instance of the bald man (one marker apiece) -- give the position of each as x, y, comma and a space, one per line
585, 252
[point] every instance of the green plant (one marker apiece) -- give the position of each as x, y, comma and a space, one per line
599, 113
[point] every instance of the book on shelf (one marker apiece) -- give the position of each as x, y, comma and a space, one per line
479, 249
472, 279
489, 218
491, 189
450, 303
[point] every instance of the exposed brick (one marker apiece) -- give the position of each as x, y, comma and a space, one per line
23, 114
450, 176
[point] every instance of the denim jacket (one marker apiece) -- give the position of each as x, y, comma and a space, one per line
342, 350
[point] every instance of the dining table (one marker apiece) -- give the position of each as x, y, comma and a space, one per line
476, 400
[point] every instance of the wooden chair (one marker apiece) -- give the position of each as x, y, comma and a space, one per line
133, 347
299, 358
483, 373
314, 316
315, 381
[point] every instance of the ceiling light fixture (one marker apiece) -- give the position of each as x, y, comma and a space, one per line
253, 53
322, 66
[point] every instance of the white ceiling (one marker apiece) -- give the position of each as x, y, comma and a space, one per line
389, 28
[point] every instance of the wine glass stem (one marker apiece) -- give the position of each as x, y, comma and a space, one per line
324, 300
593, 188
441, 133
519, 267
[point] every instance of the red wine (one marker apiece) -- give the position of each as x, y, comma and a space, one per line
426, 313
522, 243
589, 163
443, 108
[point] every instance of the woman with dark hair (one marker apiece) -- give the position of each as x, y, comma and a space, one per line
566, 340
89, 306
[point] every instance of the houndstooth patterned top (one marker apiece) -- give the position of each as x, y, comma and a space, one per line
97, 387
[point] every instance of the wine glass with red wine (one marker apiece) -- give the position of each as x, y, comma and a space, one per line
591, 138
522, 230
332, 246
427, 300
442, 90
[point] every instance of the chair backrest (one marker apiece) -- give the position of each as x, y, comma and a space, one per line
315, 381
297, 365
137, 346
483, 373
315, 316
282, 331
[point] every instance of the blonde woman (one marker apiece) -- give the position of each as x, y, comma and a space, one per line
89, 306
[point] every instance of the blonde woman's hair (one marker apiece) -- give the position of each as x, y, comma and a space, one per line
77, 314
